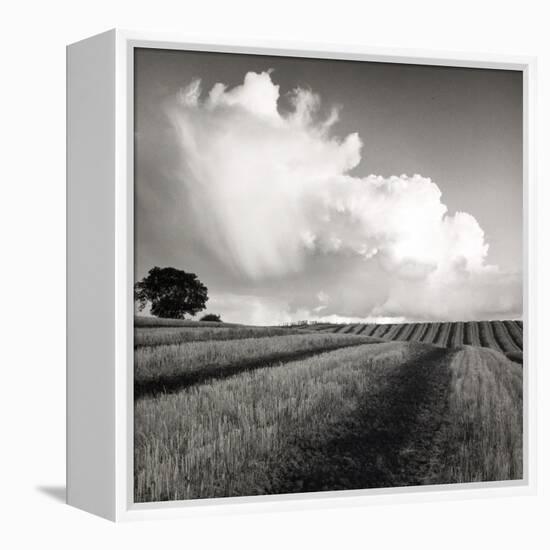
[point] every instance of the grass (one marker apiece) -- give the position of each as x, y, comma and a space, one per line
143, 321
296, 410
224, 438
516, 333
144, 337
487, 336
458, 336
170, 367
431, 333
443, 335
484, 433
471, 336
504, 336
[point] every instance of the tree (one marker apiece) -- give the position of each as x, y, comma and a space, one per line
211, 317
172, 293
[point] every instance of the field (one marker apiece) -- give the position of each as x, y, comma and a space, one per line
503, 336
229, 410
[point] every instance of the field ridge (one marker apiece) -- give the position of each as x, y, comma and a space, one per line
503, 336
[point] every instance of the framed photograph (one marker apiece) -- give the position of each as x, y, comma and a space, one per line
296, 275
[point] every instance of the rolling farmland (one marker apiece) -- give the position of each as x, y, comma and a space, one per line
503, 336
232, 410
167, 367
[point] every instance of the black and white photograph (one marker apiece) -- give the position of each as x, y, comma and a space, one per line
275, 275
328, 275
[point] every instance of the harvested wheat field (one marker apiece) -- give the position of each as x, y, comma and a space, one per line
232, 411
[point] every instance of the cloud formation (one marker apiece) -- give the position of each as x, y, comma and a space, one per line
271, 191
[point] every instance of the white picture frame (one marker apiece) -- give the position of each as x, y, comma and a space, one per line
100, 277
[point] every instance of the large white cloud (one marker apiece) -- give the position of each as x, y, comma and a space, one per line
270, 190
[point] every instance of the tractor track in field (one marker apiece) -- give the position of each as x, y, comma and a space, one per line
152, 387
392, 441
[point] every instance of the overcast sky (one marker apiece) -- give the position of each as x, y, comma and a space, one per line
334, 190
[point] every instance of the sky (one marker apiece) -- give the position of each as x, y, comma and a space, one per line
329, 190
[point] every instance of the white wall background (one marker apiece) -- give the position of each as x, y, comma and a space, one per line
32, 218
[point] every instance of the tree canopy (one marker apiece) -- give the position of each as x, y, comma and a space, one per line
211, 317
172, 293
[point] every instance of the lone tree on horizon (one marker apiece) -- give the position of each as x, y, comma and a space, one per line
172, 293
